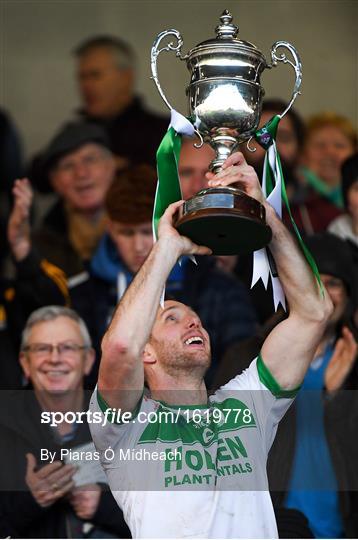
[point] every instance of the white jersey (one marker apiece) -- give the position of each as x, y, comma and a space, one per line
198, 471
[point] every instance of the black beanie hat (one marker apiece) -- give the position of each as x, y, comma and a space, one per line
333, 256
349, 175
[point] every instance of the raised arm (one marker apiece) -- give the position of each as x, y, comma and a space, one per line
121, 373
38, 282
18, 229
289, 348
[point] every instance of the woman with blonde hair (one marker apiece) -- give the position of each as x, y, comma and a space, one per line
330, 140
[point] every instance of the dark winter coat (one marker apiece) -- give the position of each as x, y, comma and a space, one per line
52, 242
21, 516
134, 134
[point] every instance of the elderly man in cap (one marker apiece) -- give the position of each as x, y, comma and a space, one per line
80, 167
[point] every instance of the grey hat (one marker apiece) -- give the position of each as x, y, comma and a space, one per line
71, 137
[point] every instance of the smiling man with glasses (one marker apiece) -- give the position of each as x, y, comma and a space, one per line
56, 355
40, 495
66, 350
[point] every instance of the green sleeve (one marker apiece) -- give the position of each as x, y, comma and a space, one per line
270, 382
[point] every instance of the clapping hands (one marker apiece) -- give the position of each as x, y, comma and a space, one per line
18, 229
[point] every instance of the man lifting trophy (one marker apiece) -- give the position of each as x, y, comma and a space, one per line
205, 472
225, 102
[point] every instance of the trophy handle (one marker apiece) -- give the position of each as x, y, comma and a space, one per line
155, 53
297, 66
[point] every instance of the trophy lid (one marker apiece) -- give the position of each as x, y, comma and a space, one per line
226, 36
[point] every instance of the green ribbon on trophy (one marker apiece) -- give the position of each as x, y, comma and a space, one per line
273, 186
274, 189
168, 187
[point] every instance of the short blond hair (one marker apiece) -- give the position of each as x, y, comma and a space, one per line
330, 118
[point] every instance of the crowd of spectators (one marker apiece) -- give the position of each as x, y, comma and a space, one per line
61, 281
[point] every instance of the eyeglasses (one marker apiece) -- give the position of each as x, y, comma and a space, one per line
66, 350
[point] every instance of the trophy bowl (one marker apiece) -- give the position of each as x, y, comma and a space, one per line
225, 103
231, 222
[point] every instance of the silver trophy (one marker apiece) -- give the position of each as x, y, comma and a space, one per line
225, 103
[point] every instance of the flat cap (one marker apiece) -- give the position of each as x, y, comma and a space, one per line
70, 137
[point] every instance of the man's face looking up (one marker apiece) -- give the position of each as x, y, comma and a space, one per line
179, 344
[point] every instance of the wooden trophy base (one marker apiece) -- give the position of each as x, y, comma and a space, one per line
226, 220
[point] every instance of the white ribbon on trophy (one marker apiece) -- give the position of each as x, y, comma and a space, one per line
261, 266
